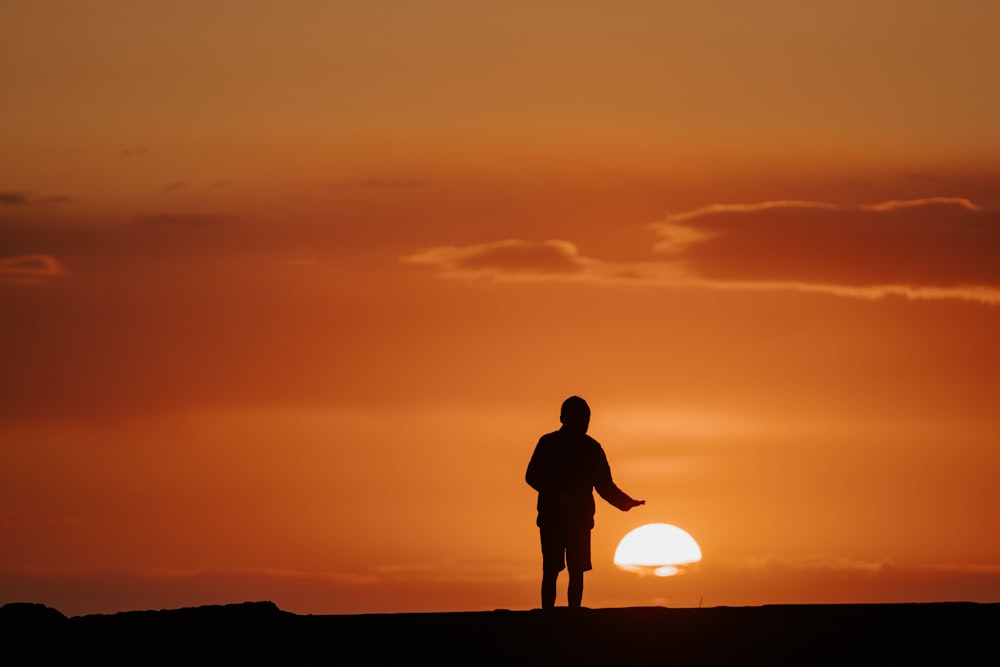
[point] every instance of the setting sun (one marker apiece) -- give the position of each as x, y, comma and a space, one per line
659, 547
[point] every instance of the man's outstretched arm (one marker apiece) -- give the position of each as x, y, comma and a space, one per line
607, 489
611, 493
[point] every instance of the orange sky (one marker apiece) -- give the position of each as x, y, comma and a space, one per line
290, 290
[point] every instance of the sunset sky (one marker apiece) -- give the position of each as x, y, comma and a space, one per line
289, 289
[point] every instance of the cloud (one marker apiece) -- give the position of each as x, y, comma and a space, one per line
520, 260
455, 570
183, 220
30, 269
378, 183
117, 248
747, 208
843, 580
894, 204
14, 199
422, 587
886, 569
450, 585
510, 257
931, 248
939, 247
24, 199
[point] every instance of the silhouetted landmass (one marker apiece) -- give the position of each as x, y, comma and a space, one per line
952, 633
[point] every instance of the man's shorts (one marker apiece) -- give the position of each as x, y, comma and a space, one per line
562, 547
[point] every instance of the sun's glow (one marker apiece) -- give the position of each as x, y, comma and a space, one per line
659, 548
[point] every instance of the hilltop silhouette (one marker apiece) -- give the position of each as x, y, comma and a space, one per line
864, 634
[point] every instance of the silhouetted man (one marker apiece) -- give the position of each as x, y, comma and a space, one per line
565, 468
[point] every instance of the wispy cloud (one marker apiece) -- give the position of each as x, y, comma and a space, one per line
183, 220
520, 260
421, 587
884, 569
895, 204
30, 269
511, 257
382, 183
9, 198
178, 185
14, 199
939, 247
450, 570
714, 209
932, 248
454, 570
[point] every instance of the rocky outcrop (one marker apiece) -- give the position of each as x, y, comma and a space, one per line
29, 614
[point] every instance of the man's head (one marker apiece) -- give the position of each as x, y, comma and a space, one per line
575, 414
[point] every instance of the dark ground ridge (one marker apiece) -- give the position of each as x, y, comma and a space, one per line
914, 633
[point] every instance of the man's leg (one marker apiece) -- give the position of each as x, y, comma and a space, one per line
549, 589
577, 562
575, 590
553, 561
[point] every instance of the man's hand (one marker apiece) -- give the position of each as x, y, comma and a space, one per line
634, 503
